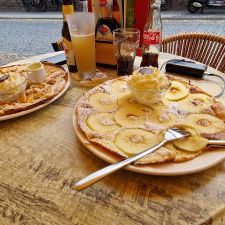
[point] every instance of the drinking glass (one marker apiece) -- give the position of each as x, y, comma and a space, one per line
82, 31
126, 42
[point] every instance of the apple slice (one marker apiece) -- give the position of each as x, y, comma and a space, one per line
177, 91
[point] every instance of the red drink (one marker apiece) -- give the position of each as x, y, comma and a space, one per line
126, 43
125, 65
149, 59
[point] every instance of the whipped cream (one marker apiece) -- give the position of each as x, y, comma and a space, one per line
14, 80
147, 85
148, 79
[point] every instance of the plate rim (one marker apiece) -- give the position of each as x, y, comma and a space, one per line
25, 112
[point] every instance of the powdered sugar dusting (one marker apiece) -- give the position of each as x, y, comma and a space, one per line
106, 121
136, 138
164, 117
122, 88
175, 108
153, 127
105, 101
208, 111
106, 87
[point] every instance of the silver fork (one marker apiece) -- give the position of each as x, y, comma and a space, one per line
170, 135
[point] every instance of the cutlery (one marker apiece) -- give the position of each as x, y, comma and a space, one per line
170, 135
216, 143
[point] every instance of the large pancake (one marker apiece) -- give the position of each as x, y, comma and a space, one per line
152, 123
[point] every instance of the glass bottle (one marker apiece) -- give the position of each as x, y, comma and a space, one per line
67, 8
106, 23
152, 37
116, 11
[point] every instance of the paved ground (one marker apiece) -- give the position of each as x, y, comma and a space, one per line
30, 15
171, 27
25, 34
208, 14
22, 38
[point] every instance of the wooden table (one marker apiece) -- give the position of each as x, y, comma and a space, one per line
40, 157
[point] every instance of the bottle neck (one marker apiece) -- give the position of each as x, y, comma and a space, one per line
115, 6
66, 2
153, 19
105, 12
67, 8
156, 18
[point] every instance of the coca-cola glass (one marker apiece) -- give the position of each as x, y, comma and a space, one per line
126, 42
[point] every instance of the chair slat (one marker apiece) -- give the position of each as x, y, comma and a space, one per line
190, 47
202, 50
218, 55
175, 46
199, 43
210, 49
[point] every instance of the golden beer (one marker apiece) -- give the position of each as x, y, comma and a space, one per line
84, 48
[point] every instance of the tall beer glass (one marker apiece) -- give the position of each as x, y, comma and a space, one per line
82, 32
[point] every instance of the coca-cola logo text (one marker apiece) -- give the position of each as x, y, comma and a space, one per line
151, 37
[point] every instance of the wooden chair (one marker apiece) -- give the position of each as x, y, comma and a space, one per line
208, 49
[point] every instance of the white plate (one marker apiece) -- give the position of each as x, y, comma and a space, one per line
14, 115
201, 162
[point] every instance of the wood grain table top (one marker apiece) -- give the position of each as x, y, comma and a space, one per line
40, 157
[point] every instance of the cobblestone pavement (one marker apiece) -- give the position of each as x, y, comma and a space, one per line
22, 38
209, 14
171, 27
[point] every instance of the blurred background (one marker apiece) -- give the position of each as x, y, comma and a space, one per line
26, 33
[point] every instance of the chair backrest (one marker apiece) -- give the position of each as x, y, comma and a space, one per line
208, 49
